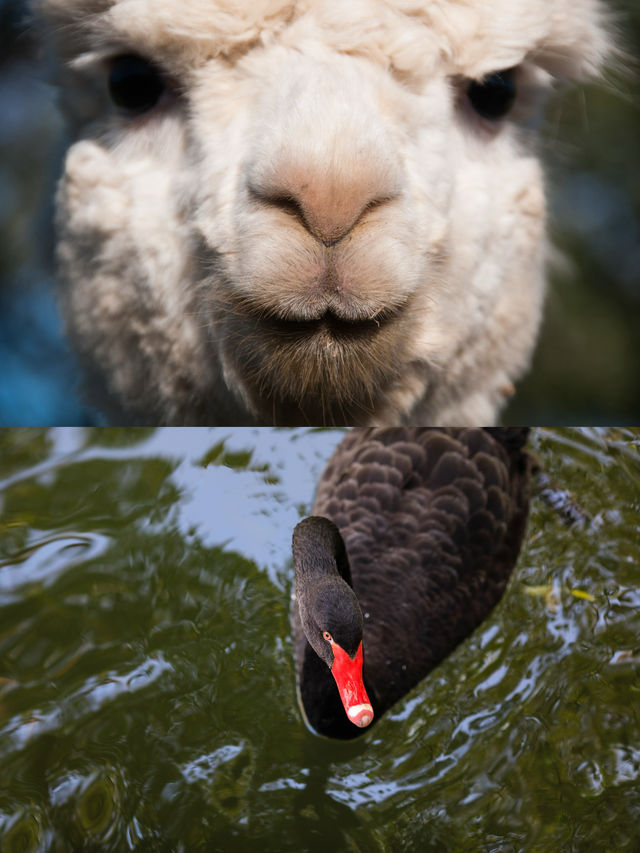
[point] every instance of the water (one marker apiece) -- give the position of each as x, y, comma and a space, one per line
147, 695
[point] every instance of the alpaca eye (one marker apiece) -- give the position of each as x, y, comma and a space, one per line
493, 97
135, 85
327, 636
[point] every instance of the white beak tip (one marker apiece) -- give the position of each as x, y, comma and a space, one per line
360, 715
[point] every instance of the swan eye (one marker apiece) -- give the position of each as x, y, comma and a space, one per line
327, 636
135, 85
493, 97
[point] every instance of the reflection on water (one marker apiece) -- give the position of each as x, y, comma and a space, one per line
147, 694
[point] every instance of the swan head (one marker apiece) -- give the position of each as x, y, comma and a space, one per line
330, 613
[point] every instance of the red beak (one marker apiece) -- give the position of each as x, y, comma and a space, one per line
348, 675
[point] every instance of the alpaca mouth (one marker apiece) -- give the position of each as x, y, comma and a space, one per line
337, 323
330, 325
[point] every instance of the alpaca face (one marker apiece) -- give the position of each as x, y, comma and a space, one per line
310, 221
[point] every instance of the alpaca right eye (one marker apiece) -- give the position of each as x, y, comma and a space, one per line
135, 85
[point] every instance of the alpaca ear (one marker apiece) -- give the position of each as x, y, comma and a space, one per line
570, 39
579, 41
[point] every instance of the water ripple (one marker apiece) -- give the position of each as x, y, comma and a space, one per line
96, 693
44, 559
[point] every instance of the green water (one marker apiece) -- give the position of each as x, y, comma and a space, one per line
147, 695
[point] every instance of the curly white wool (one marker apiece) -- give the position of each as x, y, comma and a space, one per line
184, 266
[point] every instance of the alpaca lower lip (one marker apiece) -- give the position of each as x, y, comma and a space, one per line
331, 323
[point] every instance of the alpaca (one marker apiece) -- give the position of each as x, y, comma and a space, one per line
307, 211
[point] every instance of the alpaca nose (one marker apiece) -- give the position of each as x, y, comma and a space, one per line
328, 202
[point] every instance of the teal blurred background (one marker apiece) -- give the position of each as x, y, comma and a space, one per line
586, 368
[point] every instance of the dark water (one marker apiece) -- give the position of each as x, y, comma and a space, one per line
147, 694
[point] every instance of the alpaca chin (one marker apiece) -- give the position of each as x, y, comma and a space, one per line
317, 371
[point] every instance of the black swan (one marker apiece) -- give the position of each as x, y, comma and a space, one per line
414, 535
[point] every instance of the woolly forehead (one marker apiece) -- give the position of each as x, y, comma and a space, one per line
466, 37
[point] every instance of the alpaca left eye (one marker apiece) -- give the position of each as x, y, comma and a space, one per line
135, 85
493, 97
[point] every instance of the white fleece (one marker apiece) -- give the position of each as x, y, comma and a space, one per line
317, 159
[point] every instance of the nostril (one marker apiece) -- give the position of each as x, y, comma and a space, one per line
328, 221
375, 203
283, 201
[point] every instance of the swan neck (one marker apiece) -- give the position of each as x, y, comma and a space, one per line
319, 551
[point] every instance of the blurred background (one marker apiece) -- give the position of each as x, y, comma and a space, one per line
586, 367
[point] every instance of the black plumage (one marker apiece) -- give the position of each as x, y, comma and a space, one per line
432, 522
